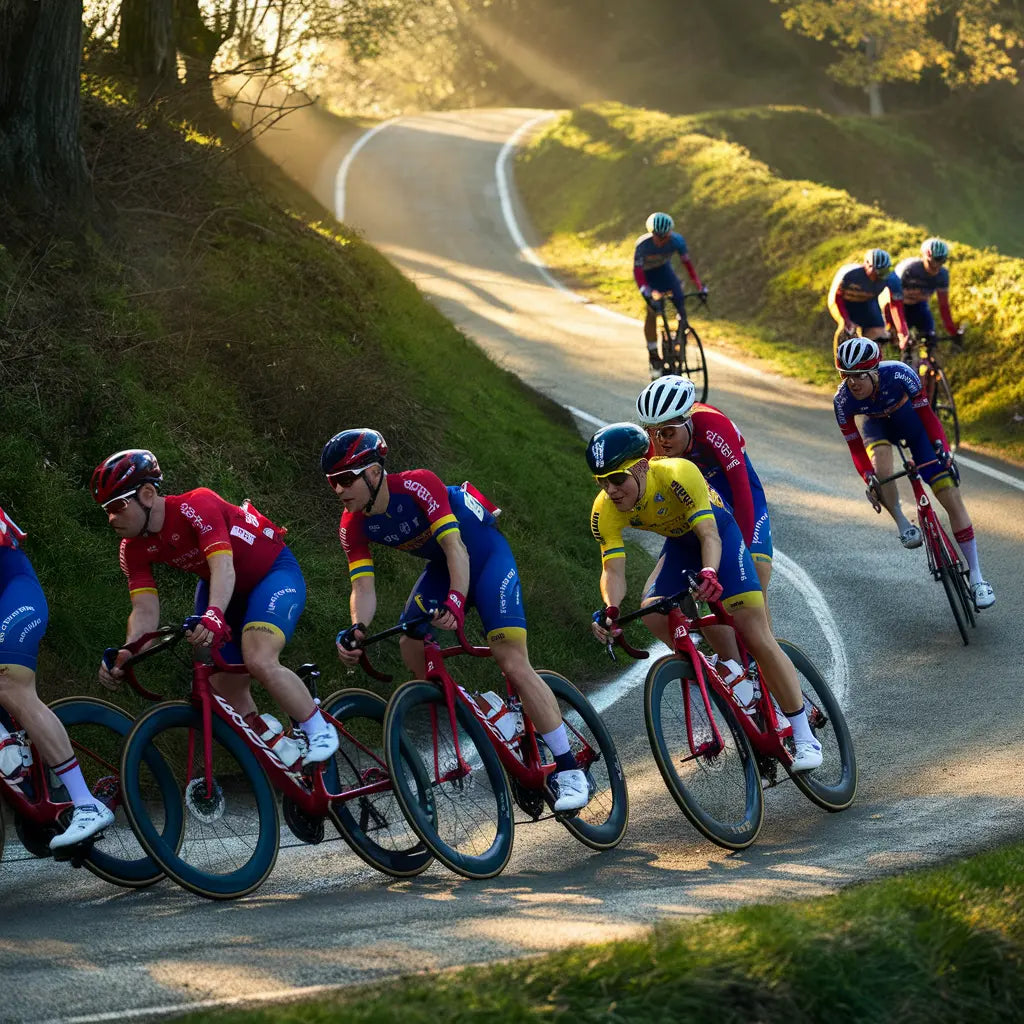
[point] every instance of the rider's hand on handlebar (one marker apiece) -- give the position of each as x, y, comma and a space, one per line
452, 614
111, 674
347, 643
702, 291
708, 588
211, 630
603, 626
648, 297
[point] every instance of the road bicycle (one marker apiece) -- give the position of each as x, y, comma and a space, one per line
217, 833
944, 561
477, 761
681, 349
41, 806
922, 353
716, 754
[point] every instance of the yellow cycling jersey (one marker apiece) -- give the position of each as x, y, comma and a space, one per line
675, 497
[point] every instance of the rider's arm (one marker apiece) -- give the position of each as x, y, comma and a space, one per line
852, 437
692, 271
222, 578
896, 305
457, 556
613, 582
362, 602
944, 311
931, 422
836, 305
145, 614
710, 542
728, 452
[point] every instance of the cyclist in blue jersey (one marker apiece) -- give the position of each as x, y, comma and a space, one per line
23, 617
888, 395
469, 563
652, 270
853, 299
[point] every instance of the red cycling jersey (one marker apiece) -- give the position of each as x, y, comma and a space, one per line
11, 535
198, 525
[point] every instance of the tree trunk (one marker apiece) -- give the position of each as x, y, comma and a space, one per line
874, 86
146, 43
41, 161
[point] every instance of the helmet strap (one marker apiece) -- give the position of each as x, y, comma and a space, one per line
148, 511
374, 491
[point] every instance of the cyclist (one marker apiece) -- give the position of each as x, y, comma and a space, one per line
23, 618
469, 562
853, 299
670, 497
890, 398
250, 585
680, 427
652, 269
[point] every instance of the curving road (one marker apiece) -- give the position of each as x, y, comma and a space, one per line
937, 726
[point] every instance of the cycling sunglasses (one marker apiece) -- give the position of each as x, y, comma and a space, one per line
345, 478
117, 505
615, 479
667, 432
856, 375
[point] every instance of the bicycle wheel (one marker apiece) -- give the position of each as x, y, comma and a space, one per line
692, 362
602, 823
96, 729
230, 828
945, 408
467, 821
718, 790
834, 785
951, 580
373, 825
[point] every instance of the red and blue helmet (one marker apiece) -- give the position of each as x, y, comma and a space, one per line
353, 450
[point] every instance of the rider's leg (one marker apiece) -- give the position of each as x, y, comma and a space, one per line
262, 644
18, 696
881, 459
960, 522
538, 700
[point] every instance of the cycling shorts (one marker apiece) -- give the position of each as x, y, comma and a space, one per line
761, 543
23, 610
494, 588
865, 314
919, 315
665, 279
905, 425
275, 602
740, 586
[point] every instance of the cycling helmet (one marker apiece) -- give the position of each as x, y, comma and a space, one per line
659, 223
935, 249
123, 472
353, 449
858, 355
665, 399
616, 447
878, 260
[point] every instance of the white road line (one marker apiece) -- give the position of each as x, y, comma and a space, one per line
996, 474
341, 177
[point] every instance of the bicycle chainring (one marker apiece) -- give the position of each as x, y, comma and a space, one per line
203, 807
529, 800
35, 838
308, 828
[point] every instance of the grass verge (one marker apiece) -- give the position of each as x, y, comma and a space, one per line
767, 245
942, 945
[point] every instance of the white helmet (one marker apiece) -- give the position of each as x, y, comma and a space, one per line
665, 399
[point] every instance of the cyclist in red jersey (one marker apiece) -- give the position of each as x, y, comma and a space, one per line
249, 583
23, 617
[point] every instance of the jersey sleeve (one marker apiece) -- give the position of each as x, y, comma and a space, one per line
606, 527
203, 510
723, 441
430, 493
356, 545
851, 435
137, 568
895, 286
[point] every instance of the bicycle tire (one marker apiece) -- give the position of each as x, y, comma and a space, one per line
239, 854
966, 596
833, 786
602, 823
467, 822
947, 574
727, 809
693, 363
944, 406
119, 857
374, 826
3, 831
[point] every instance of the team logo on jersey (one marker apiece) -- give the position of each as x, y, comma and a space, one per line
635, 521
243, 534
658, 496
679, 491
405, 528
662, 511
423, 494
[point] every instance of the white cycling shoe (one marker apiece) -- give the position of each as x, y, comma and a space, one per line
12, 767
570, 790
911, 537
87, 820
808, 756
322, 745
983, 594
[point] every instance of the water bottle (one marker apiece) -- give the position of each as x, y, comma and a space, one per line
15, 758
744, 686
497, 713
271, 731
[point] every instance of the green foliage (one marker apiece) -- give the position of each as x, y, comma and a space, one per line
935, 947
767, 246
233, 339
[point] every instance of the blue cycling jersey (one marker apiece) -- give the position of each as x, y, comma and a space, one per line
655, 261
918, 284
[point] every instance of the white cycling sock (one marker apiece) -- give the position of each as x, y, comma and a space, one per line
970, 550
70, 773
801, 727
316, 723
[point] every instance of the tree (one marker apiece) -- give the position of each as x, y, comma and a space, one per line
146, 42
968, 42
41, 161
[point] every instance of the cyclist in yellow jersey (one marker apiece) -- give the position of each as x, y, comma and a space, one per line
670, 497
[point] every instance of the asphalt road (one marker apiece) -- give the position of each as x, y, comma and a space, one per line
937, 726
